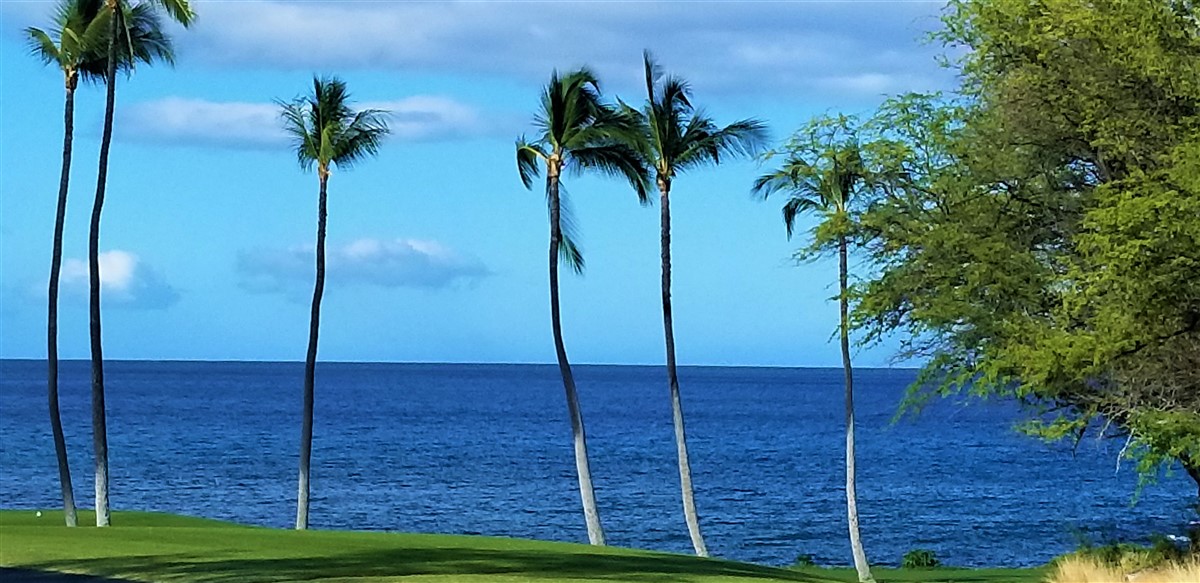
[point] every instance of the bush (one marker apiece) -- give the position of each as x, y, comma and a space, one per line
919, 559
805, 561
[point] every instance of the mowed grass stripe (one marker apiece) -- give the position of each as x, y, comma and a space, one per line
167, 548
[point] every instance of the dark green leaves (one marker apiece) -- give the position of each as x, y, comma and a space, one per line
326, 131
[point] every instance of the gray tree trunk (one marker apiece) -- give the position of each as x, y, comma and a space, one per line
591, 513
856, 546
310, 362
690, 515
99, 424
60, 442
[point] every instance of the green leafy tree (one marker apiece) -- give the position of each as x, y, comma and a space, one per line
577, 132
75, 45
679, 137
325, 132
135, 34
1039, 234
822, 173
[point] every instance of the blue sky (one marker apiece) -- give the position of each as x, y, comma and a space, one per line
437, 253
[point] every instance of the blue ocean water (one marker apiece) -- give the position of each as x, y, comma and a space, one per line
486, 449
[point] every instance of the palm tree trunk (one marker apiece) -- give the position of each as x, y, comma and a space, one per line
685, 470
99, 425
60, 443
856, 546
591, 513
310, 362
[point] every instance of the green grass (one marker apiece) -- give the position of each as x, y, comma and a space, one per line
166, 548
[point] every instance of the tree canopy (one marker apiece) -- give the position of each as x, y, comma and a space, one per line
1036, 233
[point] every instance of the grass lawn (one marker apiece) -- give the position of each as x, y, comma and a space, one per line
166, 548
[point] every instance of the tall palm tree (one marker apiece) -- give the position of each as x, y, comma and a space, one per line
680, 137
75, 45
578, 132
325, 132
822, 172
126, 22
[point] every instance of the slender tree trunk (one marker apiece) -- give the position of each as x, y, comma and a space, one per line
685, 470
310, 362
856, 546
99, 424
591, 513
60, 443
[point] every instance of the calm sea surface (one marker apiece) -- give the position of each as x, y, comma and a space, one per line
486, 449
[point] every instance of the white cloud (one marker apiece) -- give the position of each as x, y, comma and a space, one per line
378, 262
125, 281
185, 121
773, 48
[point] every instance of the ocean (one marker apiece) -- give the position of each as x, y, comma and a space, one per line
486, 449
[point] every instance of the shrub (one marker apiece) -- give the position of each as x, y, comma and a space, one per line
805, 561
919, 559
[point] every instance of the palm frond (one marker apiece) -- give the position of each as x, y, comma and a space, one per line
42, 46
145, 40
326, 131
179, 10
361, 138
296, 123
569, 251
528, 157
617, 160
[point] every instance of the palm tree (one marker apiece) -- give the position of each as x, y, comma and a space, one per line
822, 172
679, 137
126, 23
577, 131
325, 132
75, 46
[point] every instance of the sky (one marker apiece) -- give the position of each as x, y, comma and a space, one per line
437, 253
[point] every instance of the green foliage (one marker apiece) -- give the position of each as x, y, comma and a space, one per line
577, 132
1036, 235
78, 41
919, 559
804, 560
677, 136
822, 173
326, 131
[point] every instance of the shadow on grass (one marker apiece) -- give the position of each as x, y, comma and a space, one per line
659, 568
9, 575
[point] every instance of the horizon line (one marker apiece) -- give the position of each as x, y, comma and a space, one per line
474, 363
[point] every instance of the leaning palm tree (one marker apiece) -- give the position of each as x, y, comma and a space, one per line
577, 132
325, 132
822, 172
76, 46
126, 22
679, 137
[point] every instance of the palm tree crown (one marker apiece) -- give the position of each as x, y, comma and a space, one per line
680, 137
78, 42
821, 173
326, 131
578, 131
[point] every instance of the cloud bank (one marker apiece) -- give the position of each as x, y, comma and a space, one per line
848, 46
386, 263
185, 121
125, 282
829, 48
